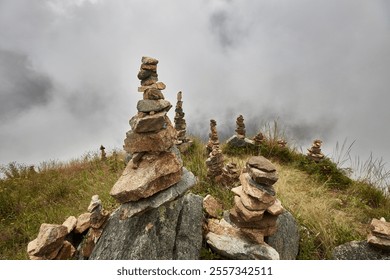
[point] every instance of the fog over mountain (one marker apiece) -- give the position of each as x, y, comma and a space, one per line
68, 70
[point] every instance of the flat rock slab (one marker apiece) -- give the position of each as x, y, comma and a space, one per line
380, 228
171, 231
237, 142
265, 194
149, 123
247, 215
261, 163
240, 249
251, 203
262, 177
154, 173
129, 209
147, 106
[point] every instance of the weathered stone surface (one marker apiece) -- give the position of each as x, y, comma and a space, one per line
222, 227
149, 81
380, 228
149, 123
286, 239
265, 194
238, 142
267, 224
132, 208
378, 242
155, 173
149, 60
83, 222
212, 207
261, 163
247, 215
359, 250
158, 85
67, 251
95, 204
150, 142
98, 218
250, 202
253, 234
153, 94
261, 177
147, 106
70, 223
276, 208
155, 234
143, 74
48, 242
240, 249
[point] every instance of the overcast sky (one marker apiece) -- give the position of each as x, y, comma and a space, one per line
68, 70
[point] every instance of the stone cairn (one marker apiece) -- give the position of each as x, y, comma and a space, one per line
230, 175
59, 242
155, 164
379, 234
259, 138
103, 155
239, 140
282, 143
240, 127
314, 152
183, 143
213, 137
253, 217
214, 164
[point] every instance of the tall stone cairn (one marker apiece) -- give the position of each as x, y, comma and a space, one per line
213, 137
256, 208
314, 152
180, 122
240, 127
214, 164
155, 164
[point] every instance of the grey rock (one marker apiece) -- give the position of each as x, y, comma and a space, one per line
261, 163
237, 142
149, 123
146, 105
286, 239
129, 209
240, 249
359, 250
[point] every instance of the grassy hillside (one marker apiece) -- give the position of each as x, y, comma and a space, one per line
331, 208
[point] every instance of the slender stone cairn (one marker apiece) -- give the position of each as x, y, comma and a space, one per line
183, 143
259, 138
256, 207
379, 234
103, 155
214, 164
230, 175
213, 137
155, 164
239, 140
240, 127
314, 152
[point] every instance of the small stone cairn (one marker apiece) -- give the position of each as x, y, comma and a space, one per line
59, 242
214, 164
253, 217
213, 137
314, 152
259, 139
282, 143
239, 140
155, 164
379, 234
230, 175
183, 143
103, 155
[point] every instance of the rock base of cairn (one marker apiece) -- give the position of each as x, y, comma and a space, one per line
314, 152
253, 217
239, 140
63, 242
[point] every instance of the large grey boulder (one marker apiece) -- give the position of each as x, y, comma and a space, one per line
359, 250
237, 142
170, 231
286, 239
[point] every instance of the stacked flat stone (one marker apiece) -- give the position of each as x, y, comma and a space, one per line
256, 208
155, 164
379, 234
230, 175
314, 152
240, 127
59, 242
259, 138
214, 164
213, 137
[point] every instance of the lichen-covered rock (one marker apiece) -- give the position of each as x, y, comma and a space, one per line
359, 250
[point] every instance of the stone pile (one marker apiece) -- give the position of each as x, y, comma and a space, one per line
314, 152
239, 140
282, 143
253, 217
183, 143
156, 218
230, 175
214, 164
59, 242
259, 138
213, 137
103, 155
379, 234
